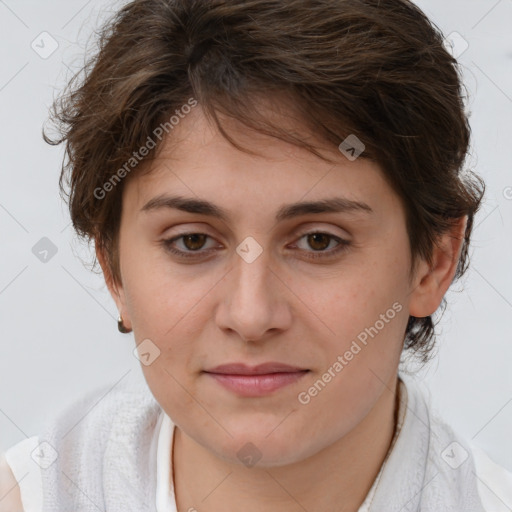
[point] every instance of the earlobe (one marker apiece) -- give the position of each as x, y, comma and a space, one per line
432, 282
115, 289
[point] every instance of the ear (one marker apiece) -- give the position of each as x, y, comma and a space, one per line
431, 283
115, 288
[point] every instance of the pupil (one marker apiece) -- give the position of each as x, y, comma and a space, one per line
315, 240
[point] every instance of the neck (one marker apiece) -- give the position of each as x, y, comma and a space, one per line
336, 479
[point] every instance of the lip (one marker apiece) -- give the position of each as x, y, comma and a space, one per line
260, 369
257, 380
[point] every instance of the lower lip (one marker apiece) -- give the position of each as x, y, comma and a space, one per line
257, 385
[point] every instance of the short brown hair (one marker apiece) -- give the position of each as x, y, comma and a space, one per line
376, 69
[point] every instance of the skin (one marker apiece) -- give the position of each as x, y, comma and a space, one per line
283, 306
10, 496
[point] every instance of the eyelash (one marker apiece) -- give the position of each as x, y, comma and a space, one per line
341, 247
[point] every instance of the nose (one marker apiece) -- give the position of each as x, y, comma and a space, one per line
253, 301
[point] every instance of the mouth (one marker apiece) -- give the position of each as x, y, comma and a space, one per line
254, 381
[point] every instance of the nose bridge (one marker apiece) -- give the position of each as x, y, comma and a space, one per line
250, 306
253, 280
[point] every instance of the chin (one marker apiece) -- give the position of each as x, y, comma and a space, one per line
256, 448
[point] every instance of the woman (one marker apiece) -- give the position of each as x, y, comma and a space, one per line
212, 145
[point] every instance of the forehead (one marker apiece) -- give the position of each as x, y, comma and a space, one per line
196, 160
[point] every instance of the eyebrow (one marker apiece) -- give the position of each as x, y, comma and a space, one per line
285, 212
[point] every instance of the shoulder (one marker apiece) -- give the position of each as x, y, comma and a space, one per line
94, 415
494, 482
121, 412
10, 497
458, 458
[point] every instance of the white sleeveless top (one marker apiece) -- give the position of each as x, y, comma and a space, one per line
494, 482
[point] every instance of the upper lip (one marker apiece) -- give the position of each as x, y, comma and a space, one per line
261, 369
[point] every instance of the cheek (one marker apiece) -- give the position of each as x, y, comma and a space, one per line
362, 312
156, 295
170, 308
361, 349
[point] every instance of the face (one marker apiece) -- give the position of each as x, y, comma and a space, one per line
325, 292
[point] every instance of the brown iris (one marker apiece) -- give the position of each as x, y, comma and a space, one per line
194, 241
319, 238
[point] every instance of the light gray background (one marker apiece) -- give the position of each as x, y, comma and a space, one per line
58, 324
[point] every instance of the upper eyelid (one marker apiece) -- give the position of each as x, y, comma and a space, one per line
300, 231
298, 236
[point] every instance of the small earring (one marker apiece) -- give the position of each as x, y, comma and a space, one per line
121, 327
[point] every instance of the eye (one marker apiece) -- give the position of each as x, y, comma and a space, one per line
193, 242
319, 241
